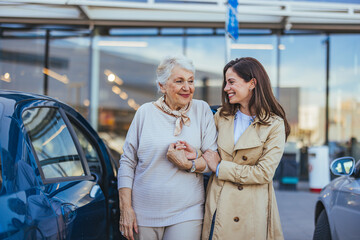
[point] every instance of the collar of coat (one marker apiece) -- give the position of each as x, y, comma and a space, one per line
249, 139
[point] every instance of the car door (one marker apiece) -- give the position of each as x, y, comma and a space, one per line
74, 194
346, 210
25, 211
101, 166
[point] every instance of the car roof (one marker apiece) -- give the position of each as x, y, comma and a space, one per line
9, 99
20, 96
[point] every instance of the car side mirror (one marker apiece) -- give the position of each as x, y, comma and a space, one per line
343, 166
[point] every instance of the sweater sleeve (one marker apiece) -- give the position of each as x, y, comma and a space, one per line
208, 130
263, 171
129, 159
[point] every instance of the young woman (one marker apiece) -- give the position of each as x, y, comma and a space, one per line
252, 130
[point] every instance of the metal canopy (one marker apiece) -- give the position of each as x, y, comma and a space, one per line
186, 13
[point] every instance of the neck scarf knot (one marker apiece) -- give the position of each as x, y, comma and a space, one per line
180, 115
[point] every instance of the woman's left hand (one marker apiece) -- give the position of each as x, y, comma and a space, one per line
178, 157
212, 159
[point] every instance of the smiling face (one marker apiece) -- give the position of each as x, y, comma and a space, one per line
179, 88
237, 89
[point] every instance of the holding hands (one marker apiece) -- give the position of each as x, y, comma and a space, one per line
212, 159
181, 153
178, 157
190, 152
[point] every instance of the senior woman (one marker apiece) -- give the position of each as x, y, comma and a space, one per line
162, 197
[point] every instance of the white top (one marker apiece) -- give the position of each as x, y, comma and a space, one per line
162, 194
241, 123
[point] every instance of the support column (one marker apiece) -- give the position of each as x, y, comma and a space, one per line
46, 63
277, 93
94, 79
327, 42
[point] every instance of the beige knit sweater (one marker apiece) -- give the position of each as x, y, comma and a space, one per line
162, 194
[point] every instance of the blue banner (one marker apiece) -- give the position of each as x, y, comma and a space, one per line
232, 25
233, 4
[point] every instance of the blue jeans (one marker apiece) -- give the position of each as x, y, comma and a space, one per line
212, 226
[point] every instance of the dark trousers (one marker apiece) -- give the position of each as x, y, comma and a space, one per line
212, 226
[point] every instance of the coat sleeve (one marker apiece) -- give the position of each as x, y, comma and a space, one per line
263, 171
129, 159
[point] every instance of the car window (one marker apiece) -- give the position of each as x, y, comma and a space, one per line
1, 180
88, 148
52, 142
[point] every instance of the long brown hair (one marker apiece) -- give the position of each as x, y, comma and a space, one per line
263, 101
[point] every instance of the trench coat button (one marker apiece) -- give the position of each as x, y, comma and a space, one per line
236, 219
244, 158
240, 187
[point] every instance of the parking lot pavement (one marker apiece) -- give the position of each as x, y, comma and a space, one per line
296, 210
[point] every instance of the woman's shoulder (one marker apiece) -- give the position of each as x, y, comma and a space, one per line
201, 107
200, 103
145, 108
275, 119
223, 116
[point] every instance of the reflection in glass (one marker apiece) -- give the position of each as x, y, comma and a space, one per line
88, 148
1, 180
68, 72
344, 97
209, 65
52, 142
263, 48
22, 60
302, 87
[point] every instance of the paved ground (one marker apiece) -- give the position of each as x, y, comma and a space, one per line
296, 210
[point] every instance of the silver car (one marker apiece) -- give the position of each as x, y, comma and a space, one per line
337, 212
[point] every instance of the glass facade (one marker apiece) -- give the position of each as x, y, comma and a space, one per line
126, 61
68, 69
302, 87
21, 66
344, 98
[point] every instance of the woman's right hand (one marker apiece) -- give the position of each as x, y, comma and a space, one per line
127, 223
178, 157
212, 159
190, 152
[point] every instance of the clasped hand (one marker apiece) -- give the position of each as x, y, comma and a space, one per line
178, 157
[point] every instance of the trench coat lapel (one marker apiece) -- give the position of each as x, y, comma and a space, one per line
226, 137
249, 139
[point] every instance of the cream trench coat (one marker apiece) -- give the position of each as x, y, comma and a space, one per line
243, 194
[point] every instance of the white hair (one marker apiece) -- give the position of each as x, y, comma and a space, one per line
166, 66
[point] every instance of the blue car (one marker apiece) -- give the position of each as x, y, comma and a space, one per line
57, 177
337, 211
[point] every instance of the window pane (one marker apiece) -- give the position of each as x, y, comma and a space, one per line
1, 180
88, 148
22, 61
68, 74
344, 98
302, 87
263, 48
208, 64
53, 143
